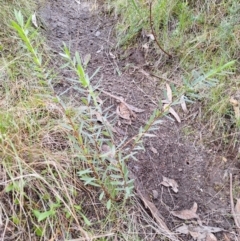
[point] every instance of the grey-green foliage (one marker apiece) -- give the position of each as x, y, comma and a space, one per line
106, 170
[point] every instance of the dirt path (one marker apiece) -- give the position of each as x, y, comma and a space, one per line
201, 174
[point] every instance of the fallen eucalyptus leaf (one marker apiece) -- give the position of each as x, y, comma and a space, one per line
123, 111
99, 100
86, 59
34, 20
211, 237
187, 214
167, 182
236, 107
167, 107
108, 152
153, 209
169, 93
226, 237
149, 135
165, 102
182, 229
99, 116
183, 104
112, 55
104, 121
196, 235
199, 232
205, 229
154, 150
233, 101
135, 109
237, 211
173, 112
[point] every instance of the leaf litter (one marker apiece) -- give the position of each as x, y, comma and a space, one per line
153, 209
168, 103
187, 213
199, 232
167, 182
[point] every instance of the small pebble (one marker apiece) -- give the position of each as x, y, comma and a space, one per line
97, 33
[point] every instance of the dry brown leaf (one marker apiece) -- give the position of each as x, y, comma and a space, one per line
86, 59
224, 159
167, 182
199, 232
154, 211
233, 101
237, 112
99, 116
154, 150
169, 93
99, 100
133, 108
102, 120
237, 212
173, 112
207, 229
187, 214
195, 235
182, 229
183, 104
124, 107
123, 111
167, 107
211, 237
166, 102
226, 237
120, 131
108, 151
236, 107
34, 20
112, 55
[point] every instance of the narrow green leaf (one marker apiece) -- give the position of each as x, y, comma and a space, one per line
101, 196
42, 216
83, 172
109, 204
86, 220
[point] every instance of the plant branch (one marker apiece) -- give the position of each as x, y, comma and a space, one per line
153, 32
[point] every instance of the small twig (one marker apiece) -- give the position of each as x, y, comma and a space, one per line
153, 32
93, 237
130, 107
233, 210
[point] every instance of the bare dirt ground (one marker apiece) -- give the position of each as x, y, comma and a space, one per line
202, 172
